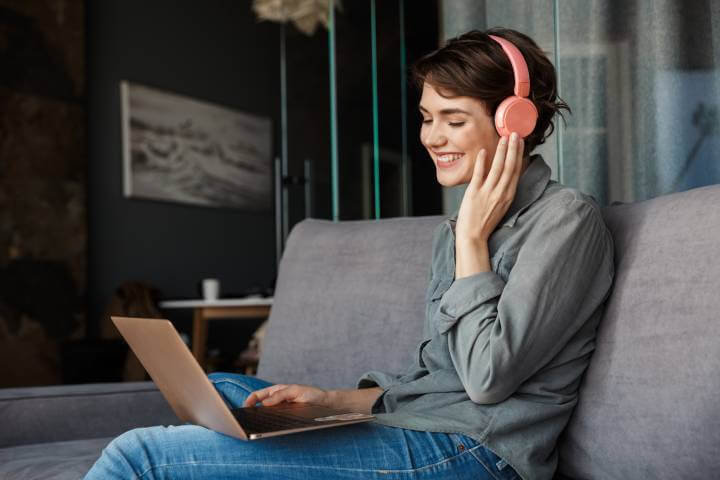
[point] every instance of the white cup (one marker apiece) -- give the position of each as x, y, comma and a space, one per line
211, 289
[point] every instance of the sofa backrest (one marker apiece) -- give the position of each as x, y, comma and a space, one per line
59, 413
650, 400
349, 298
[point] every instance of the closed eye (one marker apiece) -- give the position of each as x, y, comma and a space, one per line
452, 124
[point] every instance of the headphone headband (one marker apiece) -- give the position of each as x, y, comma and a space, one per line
516, 113
522, 77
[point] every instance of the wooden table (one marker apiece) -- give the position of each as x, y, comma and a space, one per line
204, 310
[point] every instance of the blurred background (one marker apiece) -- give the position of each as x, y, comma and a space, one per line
642, 79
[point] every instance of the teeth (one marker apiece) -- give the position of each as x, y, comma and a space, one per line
449, 158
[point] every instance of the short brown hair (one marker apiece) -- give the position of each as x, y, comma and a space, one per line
475, 65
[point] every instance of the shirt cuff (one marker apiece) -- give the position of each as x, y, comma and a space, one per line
376, 379
465, 295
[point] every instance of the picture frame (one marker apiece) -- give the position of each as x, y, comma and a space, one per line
184, 150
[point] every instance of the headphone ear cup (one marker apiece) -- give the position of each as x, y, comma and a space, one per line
516, 114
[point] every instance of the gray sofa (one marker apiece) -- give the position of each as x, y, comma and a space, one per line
349, 298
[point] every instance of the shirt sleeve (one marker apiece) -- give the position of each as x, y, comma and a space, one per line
500, 334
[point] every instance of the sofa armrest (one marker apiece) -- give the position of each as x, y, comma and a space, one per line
72, 412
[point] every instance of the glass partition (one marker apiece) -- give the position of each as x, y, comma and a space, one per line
350, 146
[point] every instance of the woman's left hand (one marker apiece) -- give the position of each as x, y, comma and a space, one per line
280, 393
486, 202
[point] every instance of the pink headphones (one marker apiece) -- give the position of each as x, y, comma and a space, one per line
516, 113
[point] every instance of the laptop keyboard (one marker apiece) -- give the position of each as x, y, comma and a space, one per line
257, 420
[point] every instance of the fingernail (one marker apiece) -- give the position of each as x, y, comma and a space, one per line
513, 136
504, 140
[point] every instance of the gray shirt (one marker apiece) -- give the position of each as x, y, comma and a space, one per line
503, 352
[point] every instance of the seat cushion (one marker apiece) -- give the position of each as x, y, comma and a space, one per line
649, 403
50, 461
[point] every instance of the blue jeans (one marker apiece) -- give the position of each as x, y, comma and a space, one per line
366, 450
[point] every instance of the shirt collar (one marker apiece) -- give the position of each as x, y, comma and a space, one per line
530, 187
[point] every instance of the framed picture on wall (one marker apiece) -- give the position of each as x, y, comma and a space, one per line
179, 149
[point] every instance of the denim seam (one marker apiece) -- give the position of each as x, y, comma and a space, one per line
486, 466
478, 437
433, 465
237, 384
381, 471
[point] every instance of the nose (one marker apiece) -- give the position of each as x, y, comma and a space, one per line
434, 136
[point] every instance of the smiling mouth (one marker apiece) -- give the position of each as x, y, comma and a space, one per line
448, 160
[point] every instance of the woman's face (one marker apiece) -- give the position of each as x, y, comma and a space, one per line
454, 130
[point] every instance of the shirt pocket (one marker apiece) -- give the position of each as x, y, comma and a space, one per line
505, 264
438, 287
421, 347
497, 262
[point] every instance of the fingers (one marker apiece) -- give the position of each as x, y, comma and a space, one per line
279, 396
479, 169
519, 165
262, 394
253, 398
512, 163
497, 163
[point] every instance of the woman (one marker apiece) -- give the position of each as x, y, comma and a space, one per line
517, 282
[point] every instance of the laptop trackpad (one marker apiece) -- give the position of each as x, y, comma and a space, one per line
343, 417
317, 412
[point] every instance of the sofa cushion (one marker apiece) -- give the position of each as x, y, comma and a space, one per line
649, 404
50, 461
349, 298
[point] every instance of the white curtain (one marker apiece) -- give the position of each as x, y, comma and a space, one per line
642, 78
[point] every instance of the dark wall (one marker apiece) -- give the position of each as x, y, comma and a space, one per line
42, 187
209, 50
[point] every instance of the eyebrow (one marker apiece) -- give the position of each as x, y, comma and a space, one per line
445, 111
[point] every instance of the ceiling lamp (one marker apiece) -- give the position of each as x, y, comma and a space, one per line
305, 14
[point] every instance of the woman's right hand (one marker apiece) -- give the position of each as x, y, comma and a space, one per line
488, 197
276, 394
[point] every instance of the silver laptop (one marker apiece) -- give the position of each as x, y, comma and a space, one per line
193, 398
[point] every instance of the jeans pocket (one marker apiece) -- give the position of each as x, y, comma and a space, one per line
463, 443
497, 467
